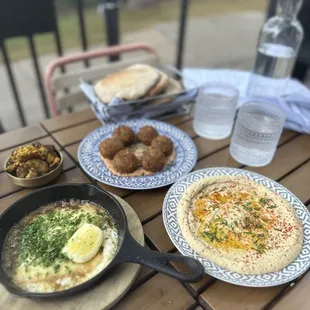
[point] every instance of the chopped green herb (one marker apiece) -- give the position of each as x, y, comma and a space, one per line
264, 201
56, 267
44, 237
247, 208
272, 207
221, 220
247, 222
211, 236
260, 248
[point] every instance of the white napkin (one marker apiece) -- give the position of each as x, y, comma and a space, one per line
295, 101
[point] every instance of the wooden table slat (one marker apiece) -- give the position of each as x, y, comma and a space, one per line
147, 203
287, 157
160, 292
188, 128
297, 297
144, 275
156, 232
195, 288
64, 121
287, 135
222, 158
68, 162
179, 119
72, 150
298, 182
21, 136
225, 296
6, 185
71, 176
206, 147
76, 133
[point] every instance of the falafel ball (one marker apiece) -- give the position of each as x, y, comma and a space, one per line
147, 134
163, 144
125, 134
109, 147
125, 161
153, 160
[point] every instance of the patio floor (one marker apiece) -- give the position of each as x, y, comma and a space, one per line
226, 41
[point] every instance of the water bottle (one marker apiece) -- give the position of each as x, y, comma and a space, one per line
277, 48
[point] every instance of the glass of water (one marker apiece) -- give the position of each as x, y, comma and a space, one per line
215, 110
256, 134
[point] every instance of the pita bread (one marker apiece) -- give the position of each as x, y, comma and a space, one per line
129, 84
173, 87
160, 86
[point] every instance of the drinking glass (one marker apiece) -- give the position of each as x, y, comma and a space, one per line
256, 134
215, 110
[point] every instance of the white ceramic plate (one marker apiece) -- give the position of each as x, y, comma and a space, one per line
289, 273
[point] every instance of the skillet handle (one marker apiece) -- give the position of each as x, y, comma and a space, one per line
133, 252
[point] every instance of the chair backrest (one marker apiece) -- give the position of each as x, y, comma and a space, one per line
71, 79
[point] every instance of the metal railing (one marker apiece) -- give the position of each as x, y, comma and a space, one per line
40, 18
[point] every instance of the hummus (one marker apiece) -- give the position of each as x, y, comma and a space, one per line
240, 225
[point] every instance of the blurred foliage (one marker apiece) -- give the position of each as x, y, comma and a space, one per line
130, 21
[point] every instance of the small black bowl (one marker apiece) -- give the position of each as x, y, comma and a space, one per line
128, 249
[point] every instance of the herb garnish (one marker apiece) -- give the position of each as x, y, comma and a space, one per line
44, 237
260, 248
264, 201
221, 220
211, 236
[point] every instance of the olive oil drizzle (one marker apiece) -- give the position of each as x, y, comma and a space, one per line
250, 232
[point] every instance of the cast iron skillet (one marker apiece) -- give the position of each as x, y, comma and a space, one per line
128, 249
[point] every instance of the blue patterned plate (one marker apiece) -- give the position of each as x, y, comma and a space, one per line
287, 274
185, 160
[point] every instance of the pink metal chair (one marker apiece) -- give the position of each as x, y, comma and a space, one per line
70, 79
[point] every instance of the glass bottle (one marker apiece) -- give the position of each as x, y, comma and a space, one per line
277, 49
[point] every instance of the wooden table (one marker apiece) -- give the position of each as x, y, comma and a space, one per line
291, 167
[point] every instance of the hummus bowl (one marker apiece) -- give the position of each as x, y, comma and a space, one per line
290, 272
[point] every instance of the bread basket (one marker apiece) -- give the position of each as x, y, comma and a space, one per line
159, 107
